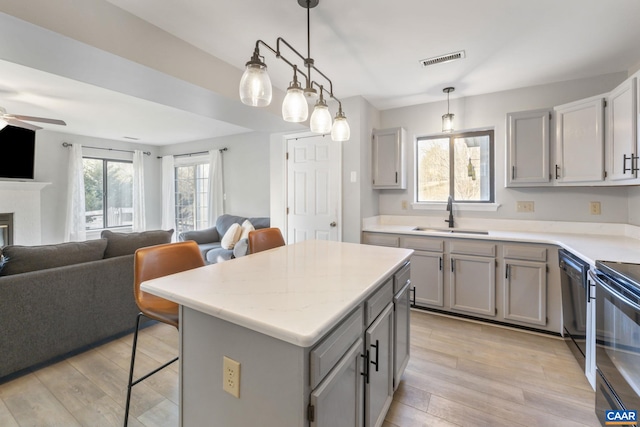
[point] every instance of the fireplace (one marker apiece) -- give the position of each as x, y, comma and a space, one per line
6, 229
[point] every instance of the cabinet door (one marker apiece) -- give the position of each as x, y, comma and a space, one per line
401, 343
337, 401
580, 141
388, 159
525, 291
621, 135
379, 383
528, 148
427, 279
473, 284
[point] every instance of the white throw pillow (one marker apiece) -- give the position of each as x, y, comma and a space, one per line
246, 228
231, 237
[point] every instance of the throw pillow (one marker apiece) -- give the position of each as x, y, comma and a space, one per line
119, 244
22, 259
246, 228
231, 237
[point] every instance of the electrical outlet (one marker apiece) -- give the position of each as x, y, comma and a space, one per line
405, 205
525, 207
594, 208
231, 376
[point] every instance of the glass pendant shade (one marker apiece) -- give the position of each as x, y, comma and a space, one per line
255, 85
294, 107
3, 124
340, 130
320, 119
447, 123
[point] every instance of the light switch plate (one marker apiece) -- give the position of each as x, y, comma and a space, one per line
525, 206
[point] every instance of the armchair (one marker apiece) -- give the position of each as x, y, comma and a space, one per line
209, 239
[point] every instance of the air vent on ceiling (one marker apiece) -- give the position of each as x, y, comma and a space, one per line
442, 58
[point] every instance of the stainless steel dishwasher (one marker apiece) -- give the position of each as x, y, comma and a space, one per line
575, 296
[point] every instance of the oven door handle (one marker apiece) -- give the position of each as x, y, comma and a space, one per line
613, 292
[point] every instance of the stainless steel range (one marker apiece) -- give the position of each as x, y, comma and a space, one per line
617, 337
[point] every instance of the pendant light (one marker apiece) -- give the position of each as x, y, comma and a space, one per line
255, 85
320, 118
447, 119
340, 130
294, 107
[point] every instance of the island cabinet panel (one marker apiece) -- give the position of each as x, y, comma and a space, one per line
337, 401
401, 333
379, 372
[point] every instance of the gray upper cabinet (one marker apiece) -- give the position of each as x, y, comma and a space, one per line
388, 161
528, 135
580, 141
622, 116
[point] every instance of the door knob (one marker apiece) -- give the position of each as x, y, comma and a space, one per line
333, 224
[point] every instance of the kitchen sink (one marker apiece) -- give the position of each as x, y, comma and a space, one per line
450, 230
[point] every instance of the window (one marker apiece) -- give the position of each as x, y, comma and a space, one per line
108, 189
192, 196
457, 165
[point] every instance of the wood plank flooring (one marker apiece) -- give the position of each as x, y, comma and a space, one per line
460, 374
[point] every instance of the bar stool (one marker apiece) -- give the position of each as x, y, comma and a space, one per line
150, 263
265, 238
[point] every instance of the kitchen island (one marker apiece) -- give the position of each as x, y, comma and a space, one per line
320, 330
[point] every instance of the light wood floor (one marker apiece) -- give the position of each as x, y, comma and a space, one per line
460, 374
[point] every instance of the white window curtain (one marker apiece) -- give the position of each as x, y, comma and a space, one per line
168, 194
76, 224
138, 191
216, 186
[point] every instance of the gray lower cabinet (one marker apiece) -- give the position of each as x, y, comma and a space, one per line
337, 401
427, 278
473, 284
379, 373
525, 284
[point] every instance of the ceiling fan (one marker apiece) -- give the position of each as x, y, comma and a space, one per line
17, 120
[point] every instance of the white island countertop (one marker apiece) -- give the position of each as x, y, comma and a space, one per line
295, 293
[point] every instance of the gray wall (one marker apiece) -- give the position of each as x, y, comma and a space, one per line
489, 111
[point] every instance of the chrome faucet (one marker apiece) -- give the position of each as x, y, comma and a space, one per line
450, 209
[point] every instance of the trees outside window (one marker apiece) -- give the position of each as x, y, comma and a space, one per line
457, 165
108, 186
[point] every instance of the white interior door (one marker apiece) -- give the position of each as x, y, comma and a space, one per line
313, 189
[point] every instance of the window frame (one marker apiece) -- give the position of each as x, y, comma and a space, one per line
105, 193
191, 161
480, 204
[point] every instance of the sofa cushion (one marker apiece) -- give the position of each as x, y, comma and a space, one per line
21, 259
225, 221
119, 244
260, 222
231, 237
218, 255
246, 228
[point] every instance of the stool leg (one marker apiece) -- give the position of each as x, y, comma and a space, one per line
133, 358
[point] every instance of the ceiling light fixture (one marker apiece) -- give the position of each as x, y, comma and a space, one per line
255, 88
447, 119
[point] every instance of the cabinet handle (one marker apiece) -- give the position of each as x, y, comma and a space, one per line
440, 263
396, 177
453, 262
557, 172
624, 164
376, 362
589, 287
413, 290
507, 267
365, 374
513, 172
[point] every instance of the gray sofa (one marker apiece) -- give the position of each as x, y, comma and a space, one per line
58, 299
209, 239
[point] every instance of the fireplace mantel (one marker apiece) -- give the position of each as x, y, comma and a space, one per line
22, 185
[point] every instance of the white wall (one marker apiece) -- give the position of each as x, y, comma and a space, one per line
489, 111
52, 164
245, 167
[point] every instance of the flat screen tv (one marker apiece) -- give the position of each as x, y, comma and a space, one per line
17, 153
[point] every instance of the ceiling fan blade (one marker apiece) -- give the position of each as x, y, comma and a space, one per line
39, 119
20, 124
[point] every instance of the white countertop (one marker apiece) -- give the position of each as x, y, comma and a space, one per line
590, 246
295, 293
